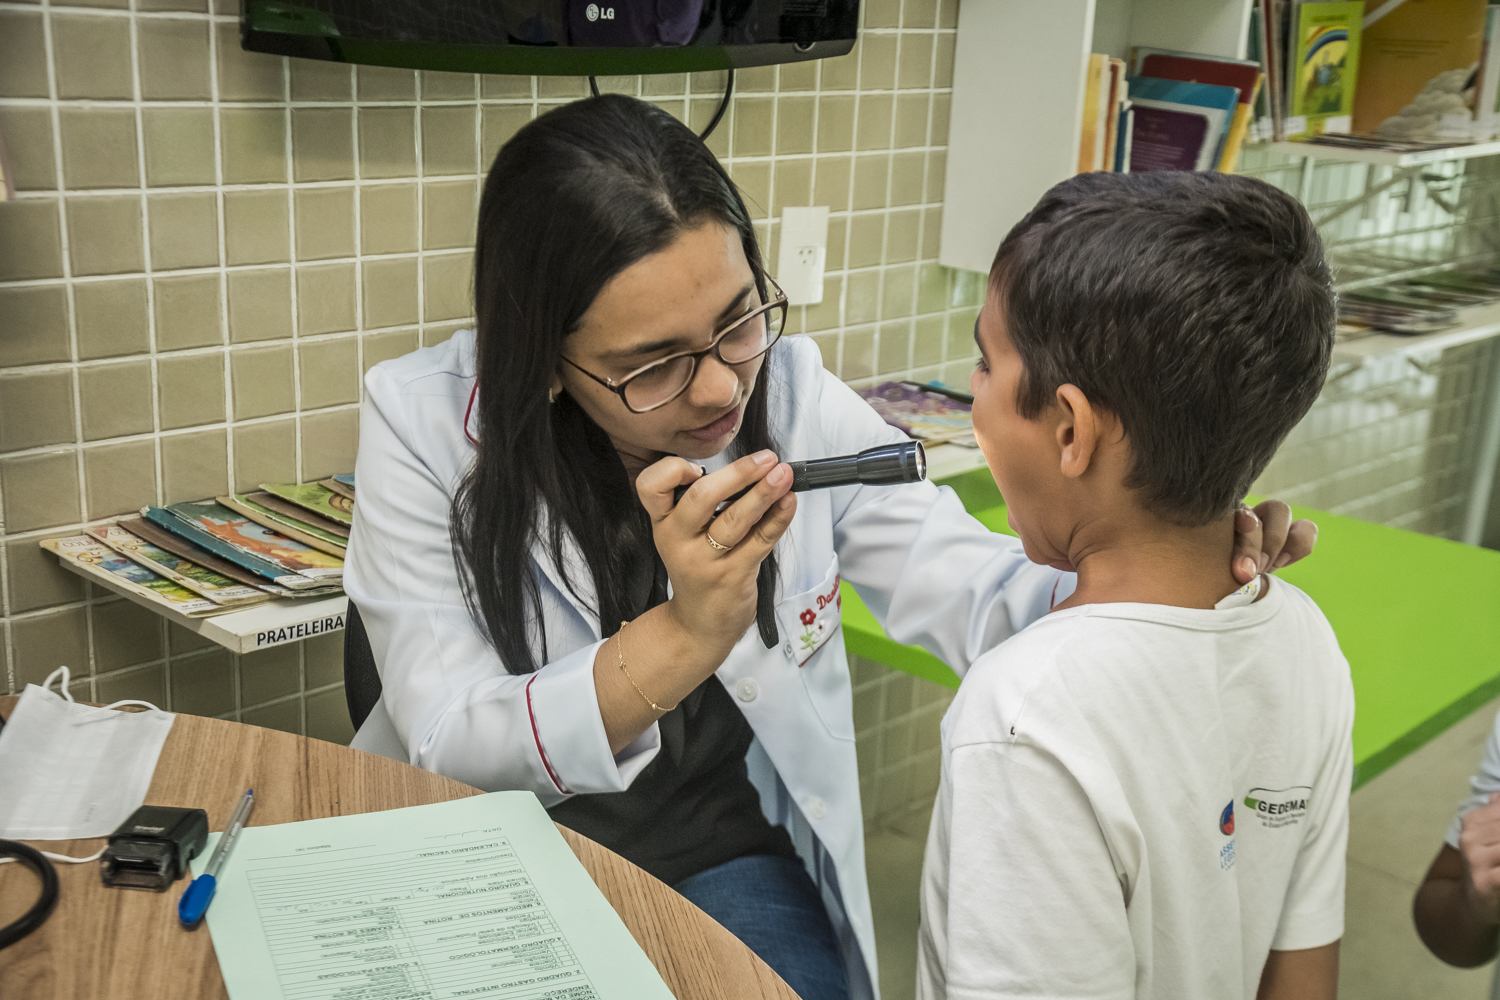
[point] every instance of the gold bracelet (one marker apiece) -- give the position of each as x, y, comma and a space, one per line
620, 652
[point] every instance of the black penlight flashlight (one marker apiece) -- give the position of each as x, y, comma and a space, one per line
884, 465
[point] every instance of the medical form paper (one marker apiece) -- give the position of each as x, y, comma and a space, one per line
479, 897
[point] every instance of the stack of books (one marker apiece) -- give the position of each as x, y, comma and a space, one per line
1400, 77
224, 553
1167, 110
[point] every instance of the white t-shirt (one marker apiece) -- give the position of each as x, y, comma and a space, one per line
1140, 801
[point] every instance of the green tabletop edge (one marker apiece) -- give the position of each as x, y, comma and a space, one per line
1417, 616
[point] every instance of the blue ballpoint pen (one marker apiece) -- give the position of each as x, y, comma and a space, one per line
200, 893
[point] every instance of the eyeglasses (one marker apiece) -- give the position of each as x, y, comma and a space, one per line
657, 384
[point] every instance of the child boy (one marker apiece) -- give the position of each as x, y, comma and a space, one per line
1145, 794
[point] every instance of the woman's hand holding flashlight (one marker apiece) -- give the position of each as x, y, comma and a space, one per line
713, 563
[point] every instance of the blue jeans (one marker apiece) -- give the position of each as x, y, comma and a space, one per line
771, 904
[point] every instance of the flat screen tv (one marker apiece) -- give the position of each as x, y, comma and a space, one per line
552, 37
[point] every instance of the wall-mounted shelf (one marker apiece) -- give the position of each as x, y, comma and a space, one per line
265, 625
1381, 157
1476, 323
1018, 83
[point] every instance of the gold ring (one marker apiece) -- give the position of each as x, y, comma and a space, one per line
718, 545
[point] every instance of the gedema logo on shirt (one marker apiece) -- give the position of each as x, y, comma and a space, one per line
1278, 807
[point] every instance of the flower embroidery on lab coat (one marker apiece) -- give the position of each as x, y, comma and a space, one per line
815, 626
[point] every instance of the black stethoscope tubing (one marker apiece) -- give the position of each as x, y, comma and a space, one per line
42, 909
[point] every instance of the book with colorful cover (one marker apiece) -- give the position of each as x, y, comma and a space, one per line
296, 529
1325, 65
217, 588
926, 416
239, 531
180, 546
317, 498
1216, 101
1414, 66
97, 560
264, 568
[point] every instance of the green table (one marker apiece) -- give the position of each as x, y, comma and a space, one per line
1418, 618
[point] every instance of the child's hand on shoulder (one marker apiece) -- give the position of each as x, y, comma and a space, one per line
1267, 539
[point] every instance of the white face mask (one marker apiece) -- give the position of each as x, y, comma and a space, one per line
70, 771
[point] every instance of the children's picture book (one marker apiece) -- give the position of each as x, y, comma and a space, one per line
1325, 65
179, 546
214, 586
313, 537
239, 531
97, 560
1416, 63
241, 557
927, 416
340, 484
1243, 75
317, 498
300, 516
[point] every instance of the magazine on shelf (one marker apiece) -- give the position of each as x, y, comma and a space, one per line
249, 505
238, 531
300, 516
97, 560
317, 498
178, 545
245, 558
205, 582
925, 415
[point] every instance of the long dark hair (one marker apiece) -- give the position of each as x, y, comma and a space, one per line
577, 196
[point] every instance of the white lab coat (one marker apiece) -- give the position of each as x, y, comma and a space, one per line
930, 573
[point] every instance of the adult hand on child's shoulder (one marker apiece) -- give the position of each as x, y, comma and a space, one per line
1479, 842
1267, 539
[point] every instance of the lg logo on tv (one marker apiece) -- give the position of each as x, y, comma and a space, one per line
595, 12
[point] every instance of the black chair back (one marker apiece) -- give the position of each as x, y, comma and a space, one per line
361, 679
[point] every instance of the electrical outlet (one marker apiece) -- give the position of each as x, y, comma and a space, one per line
803, 254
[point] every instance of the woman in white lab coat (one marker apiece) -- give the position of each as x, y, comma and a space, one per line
516, 506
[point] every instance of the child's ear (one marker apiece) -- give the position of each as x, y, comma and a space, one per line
1078, 430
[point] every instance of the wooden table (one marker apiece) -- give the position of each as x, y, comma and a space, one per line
126, 944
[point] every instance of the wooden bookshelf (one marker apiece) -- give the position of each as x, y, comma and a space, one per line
1018, 84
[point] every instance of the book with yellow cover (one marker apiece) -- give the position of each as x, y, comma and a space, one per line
1324, 65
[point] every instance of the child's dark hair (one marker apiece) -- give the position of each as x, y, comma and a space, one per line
1196, 307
